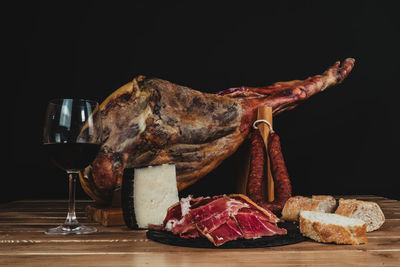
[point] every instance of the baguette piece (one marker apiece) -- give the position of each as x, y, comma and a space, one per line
329, 227
368, 211
295, 204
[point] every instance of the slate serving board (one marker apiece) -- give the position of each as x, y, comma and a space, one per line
293, 236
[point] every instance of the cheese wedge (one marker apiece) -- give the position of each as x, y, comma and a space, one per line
147, 193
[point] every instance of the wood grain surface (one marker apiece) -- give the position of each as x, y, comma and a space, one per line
23, 243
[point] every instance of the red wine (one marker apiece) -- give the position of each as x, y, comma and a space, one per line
72, 156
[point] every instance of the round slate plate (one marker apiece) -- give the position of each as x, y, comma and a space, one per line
293, 236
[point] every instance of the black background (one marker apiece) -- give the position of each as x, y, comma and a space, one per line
344, 140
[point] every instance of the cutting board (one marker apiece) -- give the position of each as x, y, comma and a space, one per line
293, 236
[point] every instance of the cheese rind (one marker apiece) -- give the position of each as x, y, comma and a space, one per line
154, 191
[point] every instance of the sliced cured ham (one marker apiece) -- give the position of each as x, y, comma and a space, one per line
212, 215
226, 232
221, 219
254, 226
178, 220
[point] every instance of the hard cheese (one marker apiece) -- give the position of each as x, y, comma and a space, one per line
147, 193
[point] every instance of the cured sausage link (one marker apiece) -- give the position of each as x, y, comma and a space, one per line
256, 180
258, 170
282, 185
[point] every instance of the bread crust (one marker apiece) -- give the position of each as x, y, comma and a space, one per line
368, 211
333, 233
294, 205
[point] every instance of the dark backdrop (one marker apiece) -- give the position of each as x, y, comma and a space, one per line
342, 141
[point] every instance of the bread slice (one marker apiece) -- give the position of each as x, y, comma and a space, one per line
369, 212
295, 204
330, 227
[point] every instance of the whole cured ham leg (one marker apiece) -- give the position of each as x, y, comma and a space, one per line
151, 121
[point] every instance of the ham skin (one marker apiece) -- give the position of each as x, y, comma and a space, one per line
150, 121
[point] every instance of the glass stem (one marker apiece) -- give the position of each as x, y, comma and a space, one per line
71, 216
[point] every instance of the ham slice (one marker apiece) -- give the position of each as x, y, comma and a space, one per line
224, 233
212, 215
178, 220
254, 226
221, 219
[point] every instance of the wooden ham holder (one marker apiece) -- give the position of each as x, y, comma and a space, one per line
107, 215
263, 113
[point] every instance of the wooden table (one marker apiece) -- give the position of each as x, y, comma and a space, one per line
23, 243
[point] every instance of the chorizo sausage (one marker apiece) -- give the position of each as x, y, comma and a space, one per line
258, 171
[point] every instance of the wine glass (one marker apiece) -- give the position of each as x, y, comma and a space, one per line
72, 137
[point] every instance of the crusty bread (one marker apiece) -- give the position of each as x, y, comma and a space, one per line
369, 212
295, 204
330, 227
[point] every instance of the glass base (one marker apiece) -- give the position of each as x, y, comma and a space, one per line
77, 229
